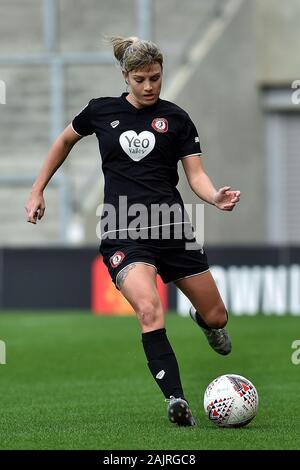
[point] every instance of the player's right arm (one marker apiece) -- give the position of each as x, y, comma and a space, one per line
35, 206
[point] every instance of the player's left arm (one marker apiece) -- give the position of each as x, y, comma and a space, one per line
223, 198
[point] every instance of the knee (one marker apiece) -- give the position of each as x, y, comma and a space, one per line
149, 312
218, 317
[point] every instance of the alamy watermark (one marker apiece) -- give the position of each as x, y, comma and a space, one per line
296, 93
2, 352
155, 222
295, 358
2, 92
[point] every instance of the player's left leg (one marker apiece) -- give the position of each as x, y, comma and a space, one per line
208, 309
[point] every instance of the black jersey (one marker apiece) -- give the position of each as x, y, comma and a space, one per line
140, 150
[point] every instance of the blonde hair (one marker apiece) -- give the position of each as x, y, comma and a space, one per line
133, 53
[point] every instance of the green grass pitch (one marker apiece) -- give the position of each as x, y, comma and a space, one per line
76, 381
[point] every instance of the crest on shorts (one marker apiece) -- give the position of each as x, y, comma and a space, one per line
160, 124
117, 258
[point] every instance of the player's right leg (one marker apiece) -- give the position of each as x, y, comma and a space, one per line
137, 282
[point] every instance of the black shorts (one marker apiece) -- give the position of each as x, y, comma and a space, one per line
171, 258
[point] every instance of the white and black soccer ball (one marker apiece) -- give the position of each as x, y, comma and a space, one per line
231, 401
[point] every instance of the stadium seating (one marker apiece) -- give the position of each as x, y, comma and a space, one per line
25, 119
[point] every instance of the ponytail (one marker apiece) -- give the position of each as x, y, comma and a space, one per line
133, 53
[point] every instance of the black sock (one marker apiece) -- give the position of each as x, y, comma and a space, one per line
202, 323
162, 362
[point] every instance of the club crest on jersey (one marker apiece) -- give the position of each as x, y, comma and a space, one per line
116, 259
160, 124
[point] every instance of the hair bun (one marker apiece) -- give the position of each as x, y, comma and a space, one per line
120, 45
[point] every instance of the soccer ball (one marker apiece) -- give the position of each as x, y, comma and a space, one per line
230, 401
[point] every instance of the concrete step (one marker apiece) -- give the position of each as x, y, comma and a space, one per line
25, 121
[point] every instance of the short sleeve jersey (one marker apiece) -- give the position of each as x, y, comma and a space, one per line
140, 148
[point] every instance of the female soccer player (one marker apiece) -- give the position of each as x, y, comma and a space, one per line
141, 139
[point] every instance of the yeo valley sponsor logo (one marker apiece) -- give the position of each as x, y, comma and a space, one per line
137, 146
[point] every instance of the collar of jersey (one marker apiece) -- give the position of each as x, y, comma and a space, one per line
133, 108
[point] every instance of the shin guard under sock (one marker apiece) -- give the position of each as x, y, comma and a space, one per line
162, 362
